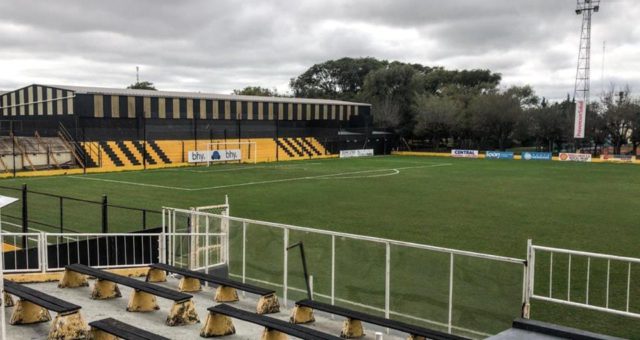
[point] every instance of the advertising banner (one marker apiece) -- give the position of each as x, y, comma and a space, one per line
537, 156
574, 157
214, 156
356, 153
581, 112
498, 155
464, 153
617, 158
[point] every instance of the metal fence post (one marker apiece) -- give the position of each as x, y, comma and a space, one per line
526, 303
244, 252
285, 278
144, 219
387, 281
450, 319
105, 219
333, 270
25, 216
61, 215
42, 251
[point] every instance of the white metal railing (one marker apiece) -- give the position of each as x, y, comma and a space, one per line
22, 252
117, 250
234, 223
582, 282
42, 252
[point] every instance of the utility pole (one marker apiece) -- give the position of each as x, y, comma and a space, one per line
137, 75
581, 91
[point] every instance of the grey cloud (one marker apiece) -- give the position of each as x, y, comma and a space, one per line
221, 45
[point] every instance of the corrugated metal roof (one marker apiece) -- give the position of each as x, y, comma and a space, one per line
197, 95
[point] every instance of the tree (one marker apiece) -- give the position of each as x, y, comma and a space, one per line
439, 80
257, 91
386, 113
397, 83
435, 117
142, 85
618, 116
494, 117
547, 125
635, 126
335, 79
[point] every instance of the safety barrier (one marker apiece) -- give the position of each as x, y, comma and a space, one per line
593, 281
435, 286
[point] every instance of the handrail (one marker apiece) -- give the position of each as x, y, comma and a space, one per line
70, 143
587, 254
358, 237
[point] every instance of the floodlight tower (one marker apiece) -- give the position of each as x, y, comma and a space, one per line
581, 90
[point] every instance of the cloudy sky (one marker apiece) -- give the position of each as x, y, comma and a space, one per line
216, 46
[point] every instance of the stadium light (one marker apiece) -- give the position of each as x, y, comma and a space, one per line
4, 201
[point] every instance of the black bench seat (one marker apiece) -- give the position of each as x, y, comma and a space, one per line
39, 298
226, 291
156, 290
121, 330
218, 325
33, 306
353, 327
143, 298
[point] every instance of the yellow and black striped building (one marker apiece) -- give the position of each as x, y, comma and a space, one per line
119, 127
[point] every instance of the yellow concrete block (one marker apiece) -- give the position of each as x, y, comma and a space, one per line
103, 290
270, 334
26, 312
301, 314
352, 329
68, 327
268, 304
189, 284
182, 313
226, 294
217, 325
71, 279
156, 275
140, 301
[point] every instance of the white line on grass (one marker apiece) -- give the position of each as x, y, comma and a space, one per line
246, 168
336, 175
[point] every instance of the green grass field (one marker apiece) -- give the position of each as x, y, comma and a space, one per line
477, 205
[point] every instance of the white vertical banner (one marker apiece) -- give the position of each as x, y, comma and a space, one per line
581, 112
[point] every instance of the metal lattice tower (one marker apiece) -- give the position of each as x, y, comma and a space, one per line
582, 87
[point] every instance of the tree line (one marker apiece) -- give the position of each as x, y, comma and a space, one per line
439, 108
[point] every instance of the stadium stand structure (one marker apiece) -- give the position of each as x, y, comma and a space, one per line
116, 128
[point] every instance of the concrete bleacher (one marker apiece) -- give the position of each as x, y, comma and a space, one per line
34, 152
93, 310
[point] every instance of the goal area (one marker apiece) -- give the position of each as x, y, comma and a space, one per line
232, 152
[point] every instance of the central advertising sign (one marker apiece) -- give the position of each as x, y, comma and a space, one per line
464, 153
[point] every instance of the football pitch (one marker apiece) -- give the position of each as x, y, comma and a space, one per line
483, 206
